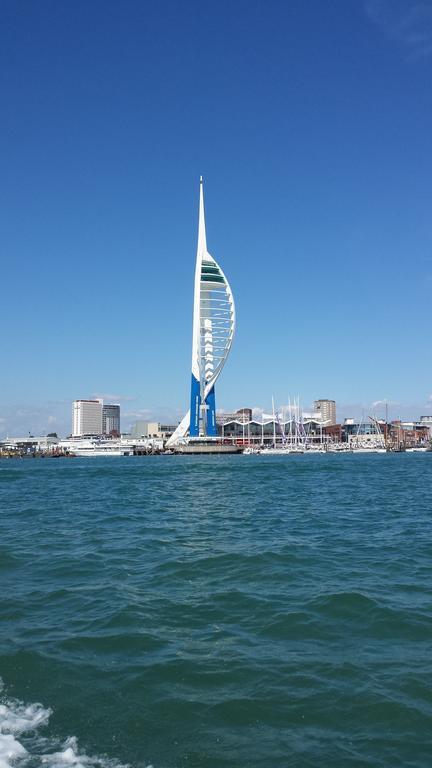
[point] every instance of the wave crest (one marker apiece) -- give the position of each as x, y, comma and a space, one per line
24, 721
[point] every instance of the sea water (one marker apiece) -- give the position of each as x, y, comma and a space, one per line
219, 612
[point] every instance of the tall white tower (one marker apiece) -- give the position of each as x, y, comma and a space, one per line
212, 337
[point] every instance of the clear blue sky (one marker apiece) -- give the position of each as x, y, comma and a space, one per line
311, 124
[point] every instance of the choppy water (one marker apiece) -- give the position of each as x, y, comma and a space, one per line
220, 612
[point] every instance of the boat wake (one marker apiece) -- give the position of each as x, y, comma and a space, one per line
22, 744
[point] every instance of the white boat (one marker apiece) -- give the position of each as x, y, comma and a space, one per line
280, 451
94, 446
102, 450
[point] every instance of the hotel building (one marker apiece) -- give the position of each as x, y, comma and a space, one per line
86, 417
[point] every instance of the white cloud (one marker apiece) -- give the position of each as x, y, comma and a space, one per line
36, 420
141, 413
383, 403
161, 414
113, 398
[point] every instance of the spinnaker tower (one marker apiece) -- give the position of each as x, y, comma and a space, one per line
212, 336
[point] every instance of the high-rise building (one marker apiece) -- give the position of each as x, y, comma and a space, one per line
111, 420
212, 336
326, 410
86, 417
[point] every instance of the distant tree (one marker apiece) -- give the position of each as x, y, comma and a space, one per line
52, 434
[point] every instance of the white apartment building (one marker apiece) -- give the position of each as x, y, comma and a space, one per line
86, 417
326, 411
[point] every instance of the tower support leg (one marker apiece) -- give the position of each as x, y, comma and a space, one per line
211, 413
195, 407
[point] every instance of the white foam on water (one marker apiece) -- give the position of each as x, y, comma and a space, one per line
10, 750
70, 755
23, 721
15, 719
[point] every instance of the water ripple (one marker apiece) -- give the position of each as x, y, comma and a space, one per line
220, 611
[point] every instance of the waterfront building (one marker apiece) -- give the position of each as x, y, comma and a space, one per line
409, 433
145, 429
363, 429
242, 415
30, 444
139, 429
86, 417
325, 410
167, 430
253, 432
427, 421
271, 431
212, 336
332, 433
364, 433
152, 429
111, 420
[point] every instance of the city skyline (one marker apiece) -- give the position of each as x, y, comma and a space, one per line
312, 132
42, 424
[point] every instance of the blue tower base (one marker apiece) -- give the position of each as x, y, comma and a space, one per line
211, 414
195, 411
195, 407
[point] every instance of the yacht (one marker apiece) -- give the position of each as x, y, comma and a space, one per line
95, 446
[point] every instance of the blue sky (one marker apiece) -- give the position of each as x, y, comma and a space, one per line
311, 124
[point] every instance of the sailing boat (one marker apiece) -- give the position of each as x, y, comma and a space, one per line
290, 444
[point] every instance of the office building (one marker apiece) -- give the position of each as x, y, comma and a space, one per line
111, 420
86, 417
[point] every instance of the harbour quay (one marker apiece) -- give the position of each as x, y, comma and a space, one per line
97, 445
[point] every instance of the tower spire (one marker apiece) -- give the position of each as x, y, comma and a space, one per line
202, 241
